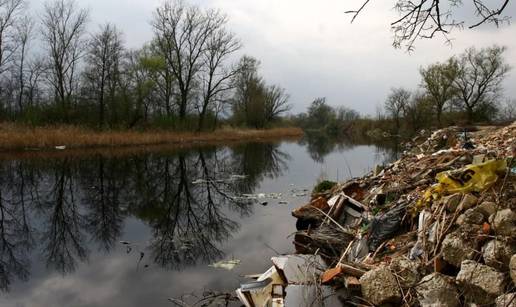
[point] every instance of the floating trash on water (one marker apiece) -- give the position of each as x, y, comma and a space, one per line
231, 178
226, 264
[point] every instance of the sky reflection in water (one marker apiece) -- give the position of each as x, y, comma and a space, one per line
63, 219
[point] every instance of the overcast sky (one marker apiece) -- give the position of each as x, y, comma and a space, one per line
310, 48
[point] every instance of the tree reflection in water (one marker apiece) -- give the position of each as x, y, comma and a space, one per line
319, 145
59, 209
15, 230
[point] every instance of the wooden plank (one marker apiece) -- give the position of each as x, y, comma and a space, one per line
349, 270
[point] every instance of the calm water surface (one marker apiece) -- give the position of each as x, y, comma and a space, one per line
135, 230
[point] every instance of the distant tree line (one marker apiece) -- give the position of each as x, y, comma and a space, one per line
53, 70
464, 89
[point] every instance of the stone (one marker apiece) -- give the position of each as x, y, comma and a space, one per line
437, 289
467, 202
457, 247
452, 202
471, 216
480, 283
503, 222
379, 286
512, 269
506, 300
408, 271
486, 208
497, 254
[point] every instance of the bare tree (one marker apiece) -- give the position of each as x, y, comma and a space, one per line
438, 80
424, 19
276, 102
417, 109
141, 84
35, 70
156, 65
215, 74
63, 29
10, 11
246, 83
104, 55
396, 103
508, 110
182, 33
25, 31
480, 77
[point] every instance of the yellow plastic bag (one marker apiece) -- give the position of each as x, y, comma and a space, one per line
472, 178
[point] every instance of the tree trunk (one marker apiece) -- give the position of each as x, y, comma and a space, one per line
470, 115
439, 113
182, 106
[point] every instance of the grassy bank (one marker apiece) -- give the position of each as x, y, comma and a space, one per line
16, 137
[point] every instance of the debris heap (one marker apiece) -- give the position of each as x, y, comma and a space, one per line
434, 228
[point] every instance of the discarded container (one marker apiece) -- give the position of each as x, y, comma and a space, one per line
226, 264
276, 287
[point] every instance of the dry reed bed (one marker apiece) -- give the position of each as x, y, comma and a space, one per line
15, 137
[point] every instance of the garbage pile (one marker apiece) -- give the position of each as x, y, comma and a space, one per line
435, 228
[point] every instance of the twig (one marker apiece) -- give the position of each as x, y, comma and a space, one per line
356, 12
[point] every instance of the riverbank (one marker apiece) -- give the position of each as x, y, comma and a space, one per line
21, 138
435, 227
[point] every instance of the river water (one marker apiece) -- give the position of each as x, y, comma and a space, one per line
134, 229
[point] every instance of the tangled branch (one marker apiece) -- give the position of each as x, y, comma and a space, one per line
425, 18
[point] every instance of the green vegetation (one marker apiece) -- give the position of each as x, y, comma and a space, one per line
464, 89
323, 186
185, 78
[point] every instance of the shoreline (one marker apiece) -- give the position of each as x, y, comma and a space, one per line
14, 138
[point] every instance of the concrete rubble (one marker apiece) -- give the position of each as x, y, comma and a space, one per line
379, 286
437, 289
459, 246
506, 300
481, 284
435, 228
497, 253
512, 269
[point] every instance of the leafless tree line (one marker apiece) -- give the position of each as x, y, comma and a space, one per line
187, 71
469, 84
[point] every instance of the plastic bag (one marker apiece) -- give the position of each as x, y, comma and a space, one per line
472, 178
385, 226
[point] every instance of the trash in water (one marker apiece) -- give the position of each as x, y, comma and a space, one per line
226, 264
285, 282
231, 178
260, 294
256, 284
262, 195
395, 226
